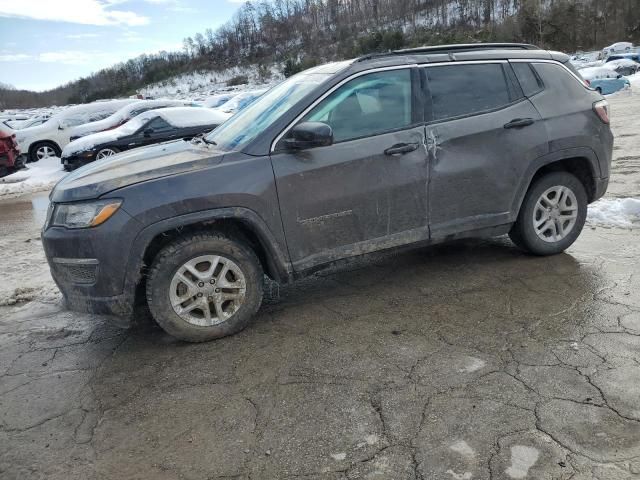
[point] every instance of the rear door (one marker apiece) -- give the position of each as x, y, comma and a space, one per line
368, 190
482, 135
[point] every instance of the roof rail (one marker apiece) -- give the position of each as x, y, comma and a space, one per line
462, 47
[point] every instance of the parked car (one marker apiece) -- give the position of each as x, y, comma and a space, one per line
10, 159
31, 122
604, 80
123, 115
617, 48
635, 56
151, 127
217, 101
411, 147
241, 101
48, 139
623, 66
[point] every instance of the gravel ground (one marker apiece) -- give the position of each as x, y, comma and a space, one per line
459, 362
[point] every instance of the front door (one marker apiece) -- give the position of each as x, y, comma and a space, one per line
368, 190
483, 134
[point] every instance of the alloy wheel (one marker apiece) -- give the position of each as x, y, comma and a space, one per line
555, 214
45, 151
207, 290
104, 153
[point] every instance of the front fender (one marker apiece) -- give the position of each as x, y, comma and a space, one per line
278, 262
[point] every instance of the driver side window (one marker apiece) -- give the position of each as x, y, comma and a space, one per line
366, 106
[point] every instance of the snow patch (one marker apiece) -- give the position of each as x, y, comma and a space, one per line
459, 476
338, 456
38, 176
616, 212
522, 459
472, 364
462, 448
44, 294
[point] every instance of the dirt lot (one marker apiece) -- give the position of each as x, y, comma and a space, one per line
467, 361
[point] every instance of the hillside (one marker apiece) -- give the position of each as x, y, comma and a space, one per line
295, 34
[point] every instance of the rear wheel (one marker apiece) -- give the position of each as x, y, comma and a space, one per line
599, 90
204, 287
552, 214
43, 150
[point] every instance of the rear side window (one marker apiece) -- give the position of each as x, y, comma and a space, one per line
528, 79
460, 90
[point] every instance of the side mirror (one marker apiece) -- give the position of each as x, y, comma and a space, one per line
148, 132
309, 135
61, 126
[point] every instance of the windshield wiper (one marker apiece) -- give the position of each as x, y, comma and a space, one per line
208, 142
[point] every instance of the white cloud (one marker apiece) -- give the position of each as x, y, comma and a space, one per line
87, 12
76, 36
13, 57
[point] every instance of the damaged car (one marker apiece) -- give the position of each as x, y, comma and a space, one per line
412, 147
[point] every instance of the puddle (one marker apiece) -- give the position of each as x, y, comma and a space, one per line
23, 213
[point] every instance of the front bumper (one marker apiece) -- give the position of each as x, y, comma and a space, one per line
90, 266
75, 161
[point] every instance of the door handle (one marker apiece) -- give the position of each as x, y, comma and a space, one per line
401, 149
519, 123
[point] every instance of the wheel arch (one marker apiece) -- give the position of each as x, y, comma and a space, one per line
581, 162
35, 144
239, 222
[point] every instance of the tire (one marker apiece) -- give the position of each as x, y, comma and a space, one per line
172, 259
40, 147
599, 90
104, 152
523, 232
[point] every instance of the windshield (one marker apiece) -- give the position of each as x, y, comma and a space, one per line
247, 124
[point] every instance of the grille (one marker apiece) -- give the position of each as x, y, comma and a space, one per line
82, 274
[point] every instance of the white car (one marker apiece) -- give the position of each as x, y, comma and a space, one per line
240, 101
49, 138
217, 101
617, 48
123, 115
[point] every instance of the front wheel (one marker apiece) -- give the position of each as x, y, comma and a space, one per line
204, 287
106, 152
552, 214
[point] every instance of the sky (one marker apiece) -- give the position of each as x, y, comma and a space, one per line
46, 43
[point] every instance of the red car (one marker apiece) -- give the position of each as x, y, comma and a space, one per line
10, 158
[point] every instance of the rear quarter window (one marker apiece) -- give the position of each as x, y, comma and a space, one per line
528, 79
562, 83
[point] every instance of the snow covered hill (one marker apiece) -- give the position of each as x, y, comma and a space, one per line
199, 85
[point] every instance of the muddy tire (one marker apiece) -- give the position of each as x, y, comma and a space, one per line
205, 286
552, 214
41, 150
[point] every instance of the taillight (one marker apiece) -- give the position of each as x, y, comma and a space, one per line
602, 110
587, 82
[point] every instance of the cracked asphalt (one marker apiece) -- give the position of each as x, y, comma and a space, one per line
458, 362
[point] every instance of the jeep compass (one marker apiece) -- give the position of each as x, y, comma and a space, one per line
415, 146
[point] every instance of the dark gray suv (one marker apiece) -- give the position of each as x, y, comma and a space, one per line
411, 147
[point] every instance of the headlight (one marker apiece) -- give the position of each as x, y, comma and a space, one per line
85, 214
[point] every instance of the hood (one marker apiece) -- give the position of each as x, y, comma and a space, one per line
136, 166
